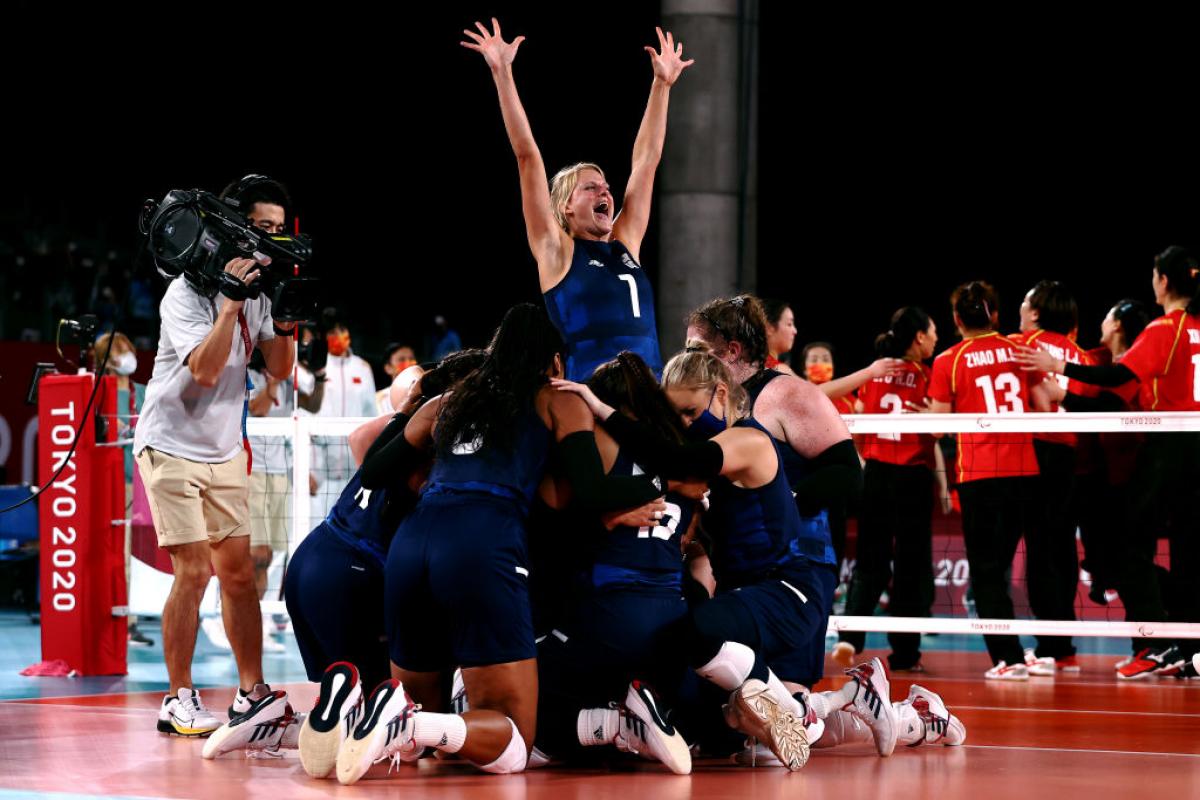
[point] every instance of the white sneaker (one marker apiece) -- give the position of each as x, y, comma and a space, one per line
1196, 662
755, 755
243, 701
1043, 667
645, 732
868, 697
214, 629
941, 727
1003, 672
185, 715
261, 727
333, 718
754, 711
386, 729
269, 643
843, 653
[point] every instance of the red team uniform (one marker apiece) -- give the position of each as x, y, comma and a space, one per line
980, 376
894, 533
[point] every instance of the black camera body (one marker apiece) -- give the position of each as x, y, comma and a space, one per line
194, 233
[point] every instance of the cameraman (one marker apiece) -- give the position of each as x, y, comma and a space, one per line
190, 451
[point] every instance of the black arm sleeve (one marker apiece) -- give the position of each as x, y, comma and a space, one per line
1107, 401
592, 489
834, 478
388, 465
1114, 375
389, 432
701, 460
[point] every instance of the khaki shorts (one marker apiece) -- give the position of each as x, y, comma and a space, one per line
191, 501
270, 504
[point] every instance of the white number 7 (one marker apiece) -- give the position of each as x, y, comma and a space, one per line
633, 298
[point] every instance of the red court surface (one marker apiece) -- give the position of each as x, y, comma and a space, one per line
1086, 737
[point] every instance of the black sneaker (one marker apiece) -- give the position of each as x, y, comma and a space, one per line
1173, 661
137, 637
1187, 673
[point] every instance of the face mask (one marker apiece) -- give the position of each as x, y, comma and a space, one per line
819, 373
124, 364
707, 424
338, 343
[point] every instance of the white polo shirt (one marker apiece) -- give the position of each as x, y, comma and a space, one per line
180, 417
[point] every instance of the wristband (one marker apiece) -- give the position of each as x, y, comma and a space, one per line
283, 331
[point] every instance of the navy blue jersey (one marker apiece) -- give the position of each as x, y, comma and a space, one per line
816, 537
758, 531
646, 557
512, 472
604, 305
358, 519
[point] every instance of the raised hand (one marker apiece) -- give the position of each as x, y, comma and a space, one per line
882, 367
496, 52
600, 409
1036, 359
667, 62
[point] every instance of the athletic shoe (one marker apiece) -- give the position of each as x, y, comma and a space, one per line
1173, 661
1196, 662
941, 727
214, 629
1004, 672
1041, 667
1124, 662
269, 643
868, 698
243, 701
843, 653
386, 729
185, 715
137, 637
338, 709
755, 755
645, 731
1187, 673
1148, 662
458, 694
258, 728
1070, 664
755, 712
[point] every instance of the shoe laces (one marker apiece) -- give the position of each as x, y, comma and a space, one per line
194, 702
394, 751
862, 680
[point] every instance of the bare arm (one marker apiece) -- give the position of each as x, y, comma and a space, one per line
280, 353
260, 403
840, 387
362, 436
549, 242
667, 63
797, 412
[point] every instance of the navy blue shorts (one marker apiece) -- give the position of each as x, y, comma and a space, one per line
613, 637
334, 595
788, 631
456, 585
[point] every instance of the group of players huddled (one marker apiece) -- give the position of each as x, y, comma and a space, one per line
558, 538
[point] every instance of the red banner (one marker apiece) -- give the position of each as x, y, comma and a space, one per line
81, 529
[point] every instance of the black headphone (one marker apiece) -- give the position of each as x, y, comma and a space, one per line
236, 191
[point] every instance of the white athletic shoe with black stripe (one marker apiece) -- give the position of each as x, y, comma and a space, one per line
868, 698
185, 715
458, 694
385, 730
645, 731
261, 727
941, 727
754, 711
333, 718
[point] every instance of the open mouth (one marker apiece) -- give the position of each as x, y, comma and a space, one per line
601, 210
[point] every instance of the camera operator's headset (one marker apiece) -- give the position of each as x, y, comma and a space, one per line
236, 191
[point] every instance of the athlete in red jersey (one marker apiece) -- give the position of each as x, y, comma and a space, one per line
894, 530
995, 472
1166, 482
1049, 321
781, 334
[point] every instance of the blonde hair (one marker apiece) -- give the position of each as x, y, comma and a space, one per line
702, 370
102, 345
562, 185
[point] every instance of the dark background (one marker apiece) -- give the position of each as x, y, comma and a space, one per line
899, 155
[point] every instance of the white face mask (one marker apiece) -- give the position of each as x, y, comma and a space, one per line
125, 364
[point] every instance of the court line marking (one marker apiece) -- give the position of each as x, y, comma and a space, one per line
1077, 750
1008, 709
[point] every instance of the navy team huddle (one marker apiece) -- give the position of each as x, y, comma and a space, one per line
559, 538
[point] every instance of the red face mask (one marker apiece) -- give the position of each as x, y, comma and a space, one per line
338, 343
817, 373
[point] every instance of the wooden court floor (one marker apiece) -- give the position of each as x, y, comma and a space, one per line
1049, 739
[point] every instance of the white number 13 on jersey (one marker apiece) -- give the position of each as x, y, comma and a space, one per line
633, 295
